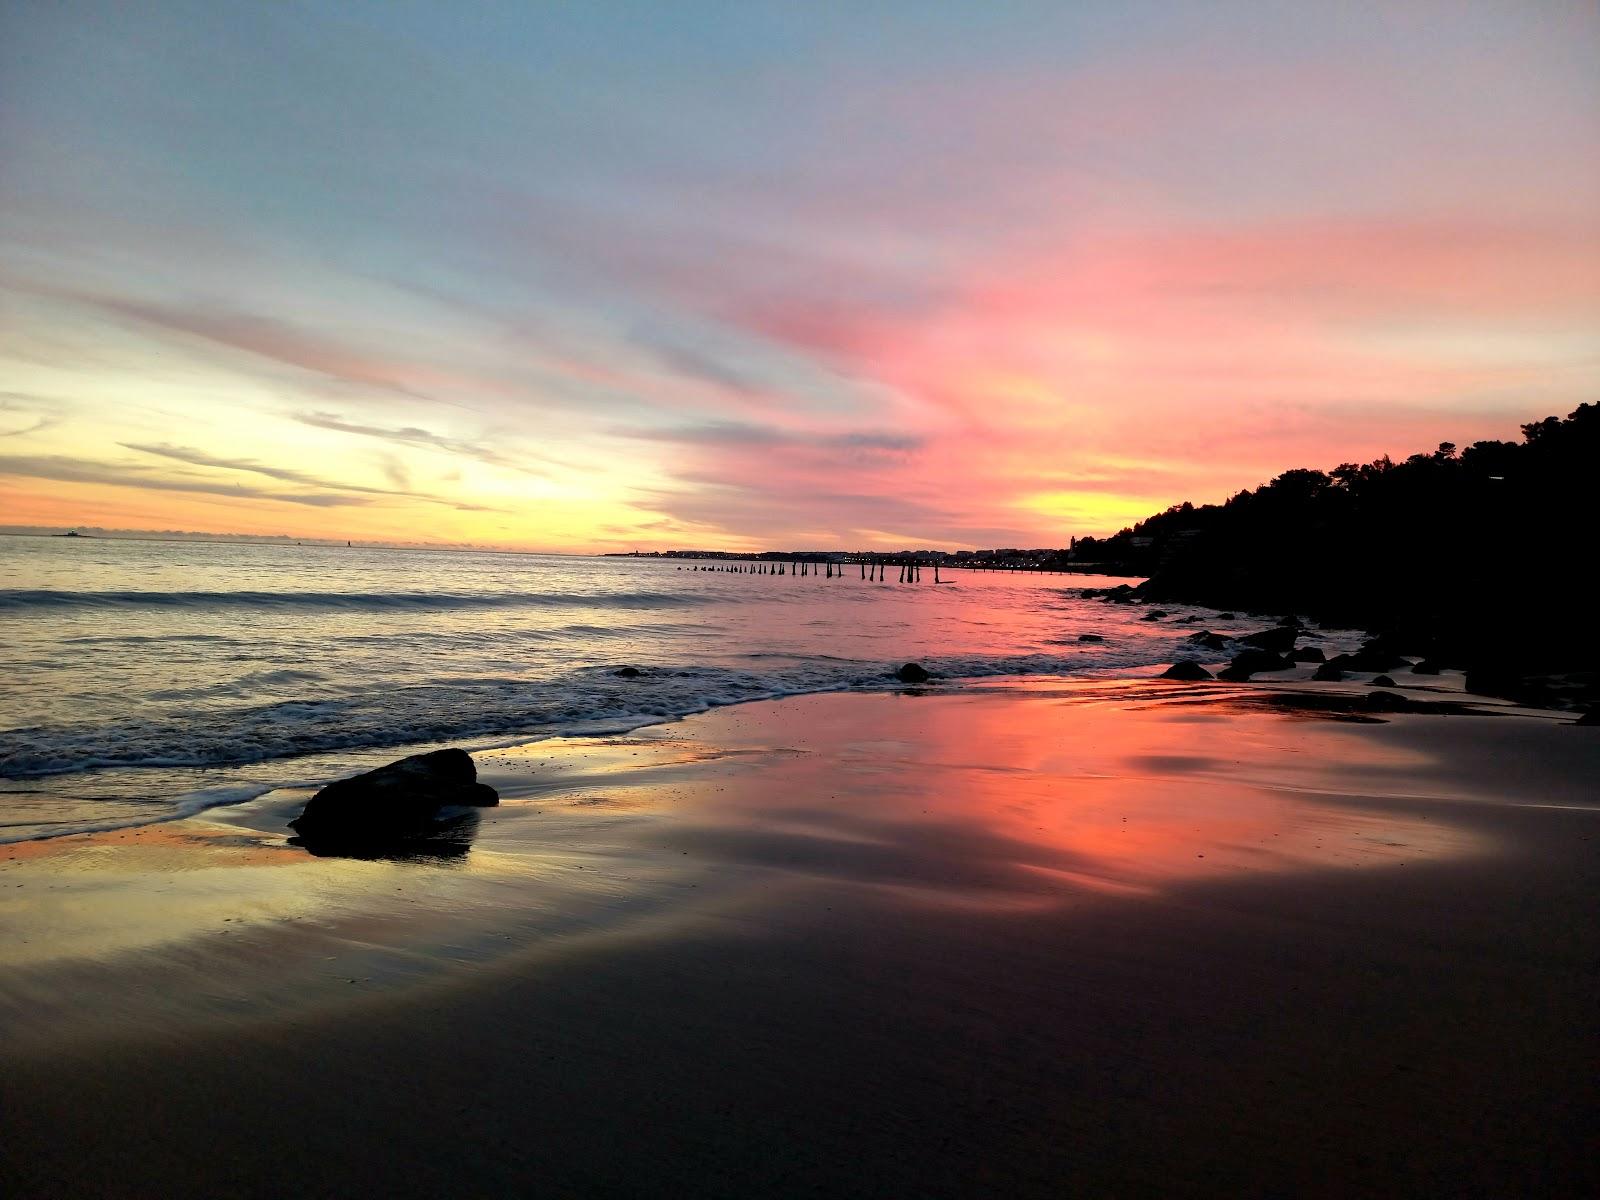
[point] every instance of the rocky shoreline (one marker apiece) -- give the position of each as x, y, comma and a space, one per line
1490, 670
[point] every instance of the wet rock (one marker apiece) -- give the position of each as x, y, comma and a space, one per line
1367, 659
406, 799
912, 673
1377, 655
627, 673
1253, 661
1187, 670
1592, 717
1327, 673
1234, 675
1307, 654
1279, 640
1425, 667
1383, 681
1090, 637
1155, 614
1211, 641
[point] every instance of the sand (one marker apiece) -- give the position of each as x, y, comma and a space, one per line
1114, 938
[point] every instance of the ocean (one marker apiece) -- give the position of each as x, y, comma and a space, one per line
144, 680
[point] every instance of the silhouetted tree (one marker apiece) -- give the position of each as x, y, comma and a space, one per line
1458, 549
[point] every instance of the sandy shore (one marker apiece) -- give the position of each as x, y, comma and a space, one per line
1095, 938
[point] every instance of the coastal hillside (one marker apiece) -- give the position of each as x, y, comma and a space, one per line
1481, 555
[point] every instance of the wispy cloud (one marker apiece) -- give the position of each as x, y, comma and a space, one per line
412, 435
22, 414
738, 433
72, 470
200, 458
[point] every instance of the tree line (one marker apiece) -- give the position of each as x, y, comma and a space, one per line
1483, 554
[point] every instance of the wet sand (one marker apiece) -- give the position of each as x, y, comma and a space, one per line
1094, 938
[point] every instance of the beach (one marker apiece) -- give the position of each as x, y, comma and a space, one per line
1037, 937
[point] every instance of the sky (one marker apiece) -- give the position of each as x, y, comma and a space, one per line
590, 276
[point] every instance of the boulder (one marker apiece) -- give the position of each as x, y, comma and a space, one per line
1308, 654
1211, 641
1592, 717
1383, 681
1090, 637
406, 799
1425, 667
912, 673
1155, 614
1279, 640
1187, 670
1327, 673
1232, 674
1377, 655
627, 673
1366, 659
1252, 661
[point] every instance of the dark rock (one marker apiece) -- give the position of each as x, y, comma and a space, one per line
627, 673
1252, 661
1211, 641
1425, 667
1592, 717
1233, 675
1279, 640
1090, 637
1155, 614
1308, 654
1367, 660
1187, 670
1379, 656
1383, 681
912, 673
403, 800
1327, 673
1122, 593
1225, 616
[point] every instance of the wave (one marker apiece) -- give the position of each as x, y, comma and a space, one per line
15, 599
587, 700
188, 805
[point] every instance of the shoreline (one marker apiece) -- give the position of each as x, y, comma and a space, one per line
1131, 935
204, 791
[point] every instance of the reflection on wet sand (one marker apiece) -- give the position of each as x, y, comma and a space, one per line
449, 839
952, 798
1045, 793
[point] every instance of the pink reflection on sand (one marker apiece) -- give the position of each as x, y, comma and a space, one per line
1093, 787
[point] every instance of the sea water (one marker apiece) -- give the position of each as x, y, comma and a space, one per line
146, 679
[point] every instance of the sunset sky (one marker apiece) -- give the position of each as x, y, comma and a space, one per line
601, 276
